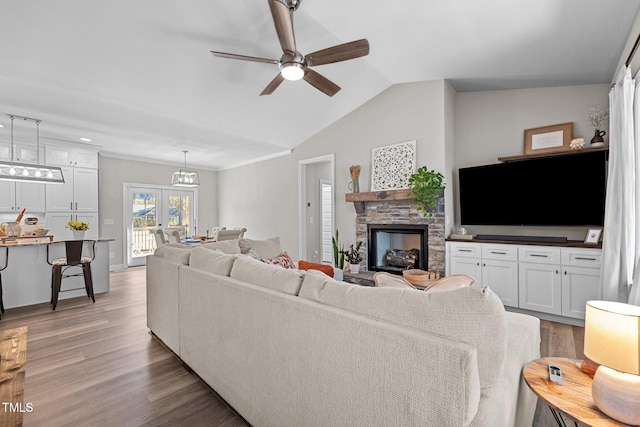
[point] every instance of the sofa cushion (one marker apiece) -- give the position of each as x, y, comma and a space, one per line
473, 315
177, 254
283, 260
266, 248
325, 268
226, 246
269, 276
215, 261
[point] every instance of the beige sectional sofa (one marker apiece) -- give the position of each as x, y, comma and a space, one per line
293, 348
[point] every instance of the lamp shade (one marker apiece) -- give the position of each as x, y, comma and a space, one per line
612, 335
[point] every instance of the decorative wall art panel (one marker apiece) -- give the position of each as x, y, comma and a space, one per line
392, 165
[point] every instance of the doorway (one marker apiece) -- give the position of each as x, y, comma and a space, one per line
150, 207
316, 200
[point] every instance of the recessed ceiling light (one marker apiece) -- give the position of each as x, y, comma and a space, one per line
1, 126
85, 139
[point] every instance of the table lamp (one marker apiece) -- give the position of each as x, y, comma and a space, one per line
612, 339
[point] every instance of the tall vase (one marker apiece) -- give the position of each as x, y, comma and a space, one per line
355, 185
78, 234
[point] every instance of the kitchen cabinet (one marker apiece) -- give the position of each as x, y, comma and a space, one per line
14, 196
56, 223
545, 279
77, 157
79, 193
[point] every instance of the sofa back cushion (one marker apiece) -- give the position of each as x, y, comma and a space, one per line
215, 261
473, 315
266, 248
226, 246
269, 276
178, 254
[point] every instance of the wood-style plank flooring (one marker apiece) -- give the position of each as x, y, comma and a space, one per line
97, 364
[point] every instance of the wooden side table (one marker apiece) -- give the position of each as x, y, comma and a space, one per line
571, 398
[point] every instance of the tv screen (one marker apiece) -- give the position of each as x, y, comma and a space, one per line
564, 190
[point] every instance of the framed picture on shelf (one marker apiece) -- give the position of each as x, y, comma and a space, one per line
593, 236
392, 165
548, 139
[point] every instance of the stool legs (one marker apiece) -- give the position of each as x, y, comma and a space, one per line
88, 280
57, 276
56, 282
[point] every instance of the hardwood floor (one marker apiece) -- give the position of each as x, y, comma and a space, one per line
97, 364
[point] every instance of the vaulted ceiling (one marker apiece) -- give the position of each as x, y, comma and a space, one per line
138, 79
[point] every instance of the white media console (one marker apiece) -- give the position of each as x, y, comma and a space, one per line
552, 282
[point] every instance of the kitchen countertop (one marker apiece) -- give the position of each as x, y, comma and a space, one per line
42, 240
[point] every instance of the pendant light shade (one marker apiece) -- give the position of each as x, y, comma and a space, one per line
184, 177
14, 171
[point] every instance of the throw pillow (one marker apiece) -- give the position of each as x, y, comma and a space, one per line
325, 268
284, 261
267, 248
226, 246
215, 261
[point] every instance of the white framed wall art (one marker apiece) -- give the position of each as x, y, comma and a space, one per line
392, 165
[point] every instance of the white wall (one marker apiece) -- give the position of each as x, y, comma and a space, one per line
114, 172
489, 125
263, 196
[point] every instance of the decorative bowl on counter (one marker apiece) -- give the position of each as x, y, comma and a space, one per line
40, 232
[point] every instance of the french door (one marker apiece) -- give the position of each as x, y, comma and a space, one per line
151, 207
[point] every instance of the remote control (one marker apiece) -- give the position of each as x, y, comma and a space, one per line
555, 374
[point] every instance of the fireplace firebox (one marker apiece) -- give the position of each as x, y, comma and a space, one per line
396, 247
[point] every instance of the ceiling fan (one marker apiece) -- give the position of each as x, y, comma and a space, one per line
294, 66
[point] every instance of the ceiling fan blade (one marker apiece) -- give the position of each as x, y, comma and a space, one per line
284, 25
244, 57
320, 82
341, 52
273, 85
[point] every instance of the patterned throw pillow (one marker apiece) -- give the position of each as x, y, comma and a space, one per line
284, 261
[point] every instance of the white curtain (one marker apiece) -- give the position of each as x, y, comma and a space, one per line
620, 240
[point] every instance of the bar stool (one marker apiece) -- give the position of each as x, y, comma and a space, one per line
6, 264
73, 258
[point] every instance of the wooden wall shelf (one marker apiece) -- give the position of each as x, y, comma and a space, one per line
359, 199
562, 153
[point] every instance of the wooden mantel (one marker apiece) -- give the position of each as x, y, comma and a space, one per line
359, 199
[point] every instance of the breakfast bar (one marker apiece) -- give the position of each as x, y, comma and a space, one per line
27, 278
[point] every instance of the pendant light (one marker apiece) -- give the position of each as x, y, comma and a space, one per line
28, 172
184, 177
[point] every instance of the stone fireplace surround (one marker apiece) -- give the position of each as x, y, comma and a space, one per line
399, 207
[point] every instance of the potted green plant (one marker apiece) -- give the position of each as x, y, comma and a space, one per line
427, 186
353, 257
78, 228
338, 252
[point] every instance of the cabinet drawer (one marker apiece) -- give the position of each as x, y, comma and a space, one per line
503, 252
539, 254
582, 257
465, 249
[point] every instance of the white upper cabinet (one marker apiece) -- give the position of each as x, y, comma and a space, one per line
64, 156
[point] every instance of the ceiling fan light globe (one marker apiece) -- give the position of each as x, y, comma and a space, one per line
292, 71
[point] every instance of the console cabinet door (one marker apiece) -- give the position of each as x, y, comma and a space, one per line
502, 278
540, 287
469, 266
579, 285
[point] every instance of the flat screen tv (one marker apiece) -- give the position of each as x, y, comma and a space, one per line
564, 190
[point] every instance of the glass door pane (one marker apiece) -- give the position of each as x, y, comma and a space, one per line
144, 219
179, 211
